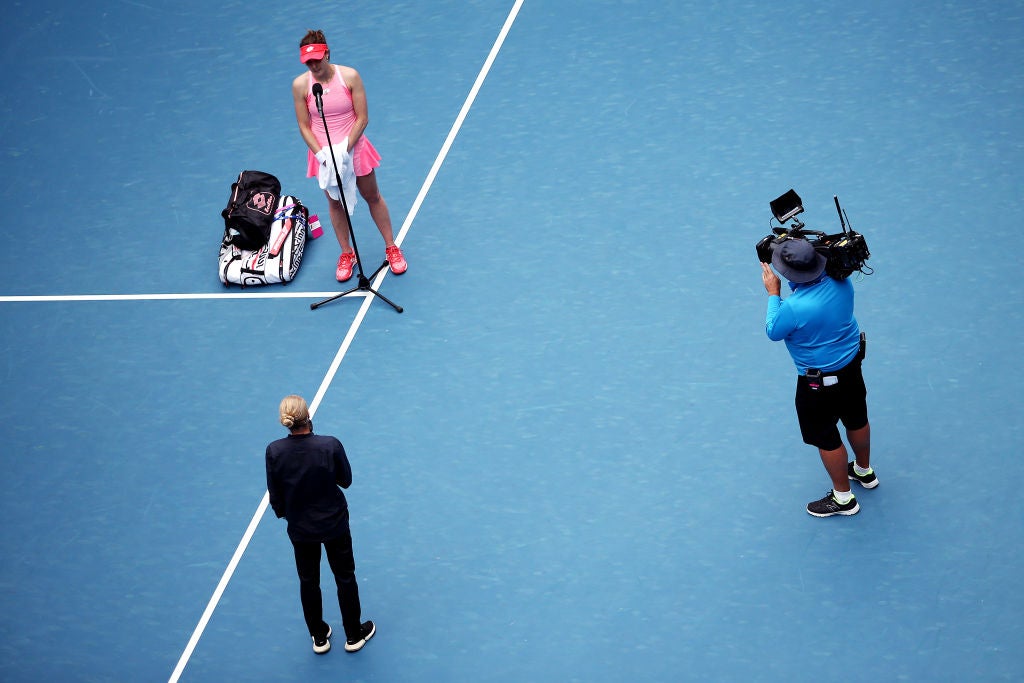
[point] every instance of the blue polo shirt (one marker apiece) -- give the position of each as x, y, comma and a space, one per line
817, 322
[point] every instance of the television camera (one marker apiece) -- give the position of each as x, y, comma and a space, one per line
845, 252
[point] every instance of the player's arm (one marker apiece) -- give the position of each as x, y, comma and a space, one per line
359, 106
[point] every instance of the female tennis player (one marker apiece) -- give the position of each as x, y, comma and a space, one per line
345, 110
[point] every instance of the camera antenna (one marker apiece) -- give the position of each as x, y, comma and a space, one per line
839, 210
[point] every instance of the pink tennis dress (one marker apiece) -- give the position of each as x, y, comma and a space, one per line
340, 117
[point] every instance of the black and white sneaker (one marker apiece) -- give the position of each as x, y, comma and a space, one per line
828, 506
367, 630
868, 481
322, 646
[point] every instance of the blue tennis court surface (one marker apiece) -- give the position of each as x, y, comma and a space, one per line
575, 453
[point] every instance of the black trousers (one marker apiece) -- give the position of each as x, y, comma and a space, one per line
343, 566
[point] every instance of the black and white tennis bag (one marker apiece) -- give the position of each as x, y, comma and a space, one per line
276, 261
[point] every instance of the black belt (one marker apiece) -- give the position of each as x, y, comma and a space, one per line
816, 379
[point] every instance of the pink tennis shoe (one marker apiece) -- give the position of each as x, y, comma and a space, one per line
346, 262
395, 259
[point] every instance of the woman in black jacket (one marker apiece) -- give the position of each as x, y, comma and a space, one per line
304, 471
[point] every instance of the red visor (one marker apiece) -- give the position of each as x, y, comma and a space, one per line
314, 51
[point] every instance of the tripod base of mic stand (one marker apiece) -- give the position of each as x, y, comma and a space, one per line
362, 285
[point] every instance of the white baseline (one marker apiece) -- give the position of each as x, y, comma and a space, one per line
164, 297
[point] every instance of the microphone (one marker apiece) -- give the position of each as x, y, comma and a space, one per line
318, 93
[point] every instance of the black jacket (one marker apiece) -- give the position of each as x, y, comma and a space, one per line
304, 472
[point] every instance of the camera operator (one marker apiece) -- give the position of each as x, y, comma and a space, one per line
816, 321
304, 471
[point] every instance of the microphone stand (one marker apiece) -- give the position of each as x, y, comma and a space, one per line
362, 282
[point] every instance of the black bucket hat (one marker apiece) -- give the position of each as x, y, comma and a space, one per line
798, 261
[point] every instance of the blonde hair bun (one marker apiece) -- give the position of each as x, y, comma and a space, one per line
293, 411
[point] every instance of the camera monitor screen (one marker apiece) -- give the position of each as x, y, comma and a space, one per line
786, 206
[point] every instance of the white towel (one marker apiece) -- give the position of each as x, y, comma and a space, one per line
329, 180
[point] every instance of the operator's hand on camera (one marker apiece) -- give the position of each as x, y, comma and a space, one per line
772, 283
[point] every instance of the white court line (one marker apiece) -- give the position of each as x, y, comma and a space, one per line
167, 297
329, 377
459, 119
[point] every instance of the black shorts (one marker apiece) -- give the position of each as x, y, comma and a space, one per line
820, 410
